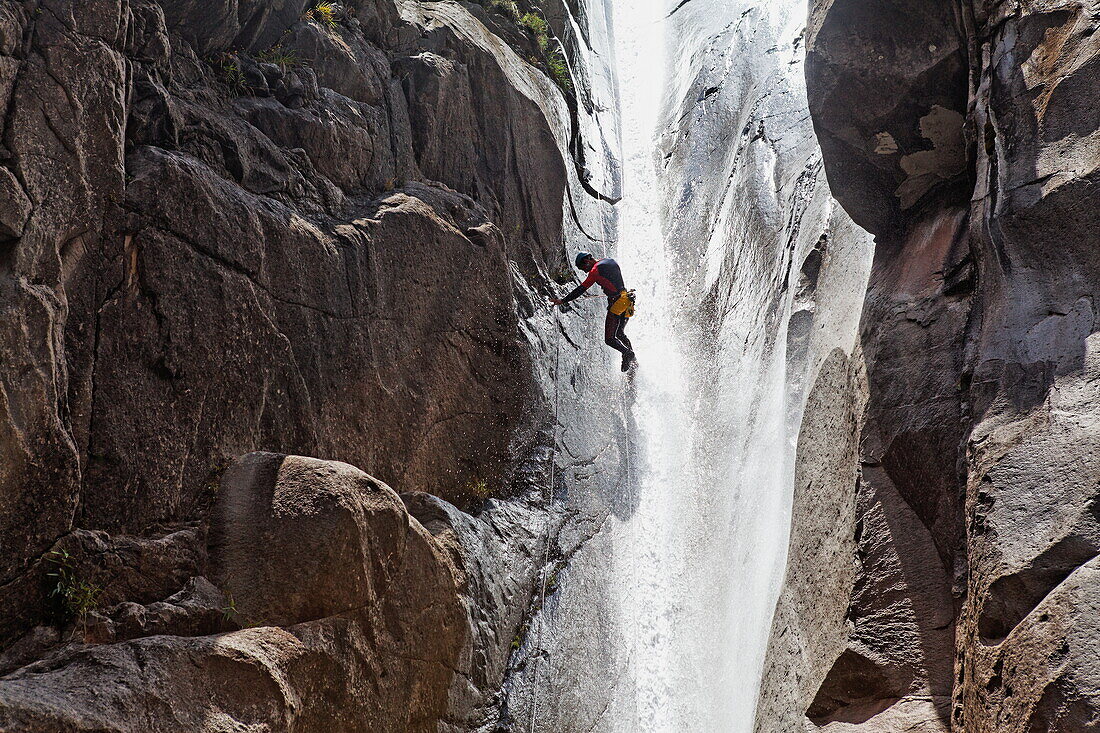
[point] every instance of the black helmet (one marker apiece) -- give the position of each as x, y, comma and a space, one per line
581, 257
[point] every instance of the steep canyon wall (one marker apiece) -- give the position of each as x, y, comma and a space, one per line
963, 135
300, 228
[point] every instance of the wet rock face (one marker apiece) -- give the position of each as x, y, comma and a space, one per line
980, 433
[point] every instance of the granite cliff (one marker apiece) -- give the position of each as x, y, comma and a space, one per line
289, 441
963, 136
310, 229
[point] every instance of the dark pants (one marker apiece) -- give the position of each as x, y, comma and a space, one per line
613, 334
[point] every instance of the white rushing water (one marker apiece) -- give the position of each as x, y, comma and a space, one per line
698, 564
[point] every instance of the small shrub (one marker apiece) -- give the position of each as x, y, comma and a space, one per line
75, 596
539, 27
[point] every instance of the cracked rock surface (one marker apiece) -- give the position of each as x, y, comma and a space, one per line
230, 227
964, 136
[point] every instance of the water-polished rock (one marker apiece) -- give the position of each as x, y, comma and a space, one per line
980, 340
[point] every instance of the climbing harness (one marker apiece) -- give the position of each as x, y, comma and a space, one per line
623, 304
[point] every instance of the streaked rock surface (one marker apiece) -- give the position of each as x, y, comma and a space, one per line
236, 226
964, 137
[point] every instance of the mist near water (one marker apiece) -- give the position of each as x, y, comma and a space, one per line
698, 563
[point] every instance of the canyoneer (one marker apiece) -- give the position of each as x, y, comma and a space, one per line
620, 301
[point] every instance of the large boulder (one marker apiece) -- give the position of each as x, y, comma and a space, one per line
294, 539
354, 615
888, 97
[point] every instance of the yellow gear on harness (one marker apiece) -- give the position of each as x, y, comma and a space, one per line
624, 304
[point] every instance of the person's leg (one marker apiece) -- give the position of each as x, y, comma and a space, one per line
620, 337
620, 334
611, 328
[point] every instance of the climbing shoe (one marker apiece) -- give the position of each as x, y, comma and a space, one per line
628, 360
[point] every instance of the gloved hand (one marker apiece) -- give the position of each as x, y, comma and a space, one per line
555, 301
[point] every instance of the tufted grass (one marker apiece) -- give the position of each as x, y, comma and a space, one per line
539, 27
326, 13
559, 71
75, 596
281, 57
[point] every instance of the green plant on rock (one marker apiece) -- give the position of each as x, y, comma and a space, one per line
75, 596
521, 635
559, 71
556, 66
230, 611
479, 488
555, 576
325, 13
507, 8
539, 27
283, 58
233, 77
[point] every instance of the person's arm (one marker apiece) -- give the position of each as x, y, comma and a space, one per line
579, 290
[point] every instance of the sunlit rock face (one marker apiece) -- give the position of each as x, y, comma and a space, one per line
965, 137
322, 578
773, 273
238, 226
750, 280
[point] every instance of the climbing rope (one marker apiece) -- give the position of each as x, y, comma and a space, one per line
630, 487
549, 495
549, 499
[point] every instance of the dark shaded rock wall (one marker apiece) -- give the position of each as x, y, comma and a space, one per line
235, 226
965, 137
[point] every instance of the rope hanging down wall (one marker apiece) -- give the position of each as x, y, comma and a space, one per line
548, 497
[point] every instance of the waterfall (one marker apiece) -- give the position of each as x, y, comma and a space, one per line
651, 555
716, 402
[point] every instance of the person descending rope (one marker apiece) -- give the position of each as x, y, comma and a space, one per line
620, 301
